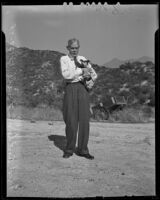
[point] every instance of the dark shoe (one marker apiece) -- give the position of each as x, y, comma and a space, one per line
88, 156
67, 155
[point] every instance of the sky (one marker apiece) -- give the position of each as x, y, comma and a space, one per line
105, 32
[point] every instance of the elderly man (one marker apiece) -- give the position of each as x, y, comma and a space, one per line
76, 112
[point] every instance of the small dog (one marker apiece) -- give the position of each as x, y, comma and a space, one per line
86, 79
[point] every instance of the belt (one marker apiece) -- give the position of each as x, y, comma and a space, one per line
67, 83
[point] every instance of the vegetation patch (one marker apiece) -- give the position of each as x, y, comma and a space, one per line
35, 87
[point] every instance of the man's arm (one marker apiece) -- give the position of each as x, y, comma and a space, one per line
92, 72
68, 73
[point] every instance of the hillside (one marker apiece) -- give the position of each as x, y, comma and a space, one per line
34, 78
114, 63
134, 80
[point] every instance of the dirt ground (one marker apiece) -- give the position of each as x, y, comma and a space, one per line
124, 161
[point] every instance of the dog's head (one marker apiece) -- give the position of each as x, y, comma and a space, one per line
85, 61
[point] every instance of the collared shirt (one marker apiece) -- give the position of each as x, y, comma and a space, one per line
72, 73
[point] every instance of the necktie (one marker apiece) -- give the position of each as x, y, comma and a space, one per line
77, 63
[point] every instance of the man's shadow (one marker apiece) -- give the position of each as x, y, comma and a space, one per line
59, 141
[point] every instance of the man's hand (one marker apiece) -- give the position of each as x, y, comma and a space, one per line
89, 84
86, 73
81, 78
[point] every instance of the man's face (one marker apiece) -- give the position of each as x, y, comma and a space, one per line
73, 49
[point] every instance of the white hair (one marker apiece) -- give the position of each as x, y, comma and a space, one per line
71, 41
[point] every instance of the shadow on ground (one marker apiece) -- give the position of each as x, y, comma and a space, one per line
59, 141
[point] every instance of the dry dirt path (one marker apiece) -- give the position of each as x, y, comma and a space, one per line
124, 161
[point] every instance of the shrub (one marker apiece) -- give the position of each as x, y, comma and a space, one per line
129, 114
37, 113
133, 115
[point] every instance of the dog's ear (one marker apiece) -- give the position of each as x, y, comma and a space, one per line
87, 61
81, 60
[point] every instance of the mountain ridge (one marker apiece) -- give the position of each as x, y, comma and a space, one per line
115, 62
